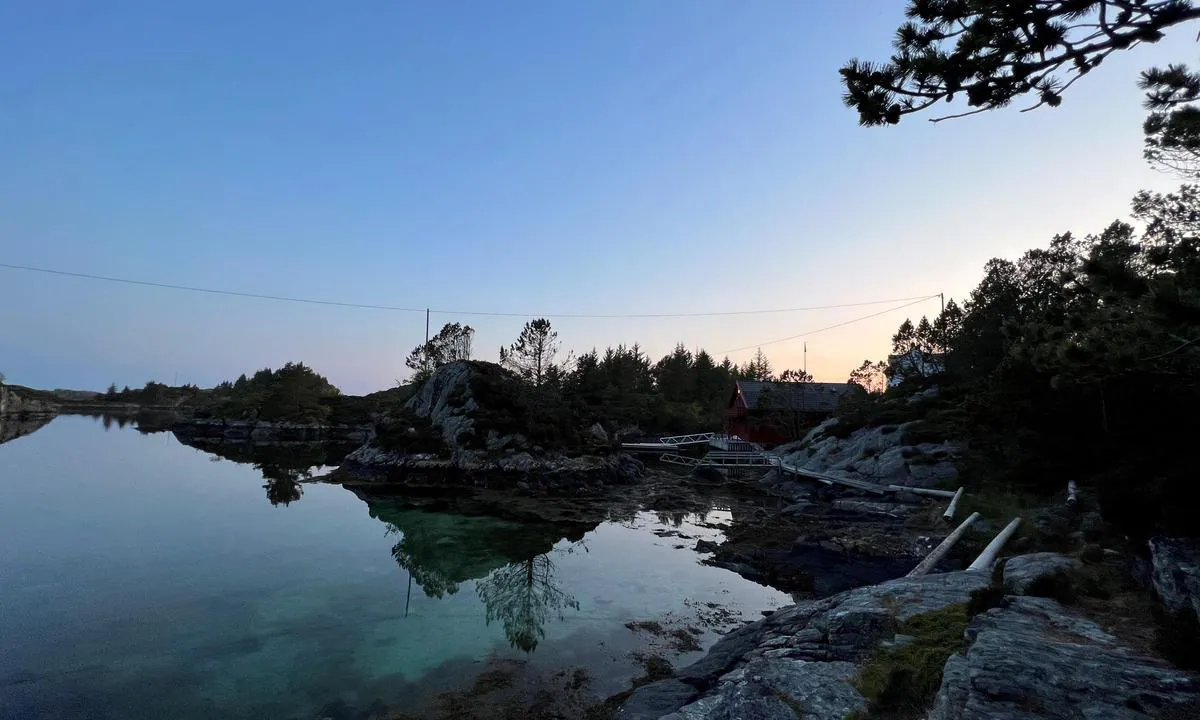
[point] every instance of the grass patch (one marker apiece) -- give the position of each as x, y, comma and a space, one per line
900, 682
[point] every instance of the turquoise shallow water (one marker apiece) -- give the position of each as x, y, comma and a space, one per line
141, 578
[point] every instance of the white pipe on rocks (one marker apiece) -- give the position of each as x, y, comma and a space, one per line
933, 558
1072, 493
987, 558
922, 491
953, 506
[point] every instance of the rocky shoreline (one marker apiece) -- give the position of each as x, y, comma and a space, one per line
522, 471
1003, 652
262, 431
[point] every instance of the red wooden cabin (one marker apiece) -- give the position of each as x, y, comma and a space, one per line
770, 413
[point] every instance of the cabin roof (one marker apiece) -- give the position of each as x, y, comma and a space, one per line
800, 397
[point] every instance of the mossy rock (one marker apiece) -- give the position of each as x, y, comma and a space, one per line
901, 681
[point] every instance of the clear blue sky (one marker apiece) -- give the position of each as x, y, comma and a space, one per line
541, 157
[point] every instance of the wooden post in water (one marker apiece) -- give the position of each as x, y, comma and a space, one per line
932, 559
987, 558
953, 506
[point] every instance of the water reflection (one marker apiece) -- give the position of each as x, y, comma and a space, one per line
13, 427
284, 466
523, 596
674, 519
144, 421
131, 562
511, 561
283, 492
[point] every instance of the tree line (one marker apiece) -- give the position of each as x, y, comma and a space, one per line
683, 390
1081, 361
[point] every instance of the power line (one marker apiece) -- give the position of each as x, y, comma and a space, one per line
476, 313
210, 291
684, 315
829, 327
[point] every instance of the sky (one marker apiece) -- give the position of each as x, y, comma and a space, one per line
533, 157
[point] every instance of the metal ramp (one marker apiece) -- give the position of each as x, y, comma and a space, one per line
693, 439
726, 443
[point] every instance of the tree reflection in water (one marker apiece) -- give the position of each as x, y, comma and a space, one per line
283, 482
416, 542
523, 596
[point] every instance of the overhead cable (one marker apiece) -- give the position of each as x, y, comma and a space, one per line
476, 313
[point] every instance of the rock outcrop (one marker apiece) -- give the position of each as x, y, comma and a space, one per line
446, 400
1032, 658
1025, 658
802, 660
21, 402
875, 454
1175, 574
473, 438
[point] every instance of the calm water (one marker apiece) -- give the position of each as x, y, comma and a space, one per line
141, 578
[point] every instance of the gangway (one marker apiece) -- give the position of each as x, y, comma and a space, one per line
728, 443
693, 439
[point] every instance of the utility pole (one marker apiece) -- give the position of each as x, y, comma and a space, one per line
805, 357
425, 362
942, 297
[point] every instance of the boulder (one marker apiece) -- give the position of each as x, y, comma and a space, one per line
1032, 658
598, 433
1043, 574
1175, 575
